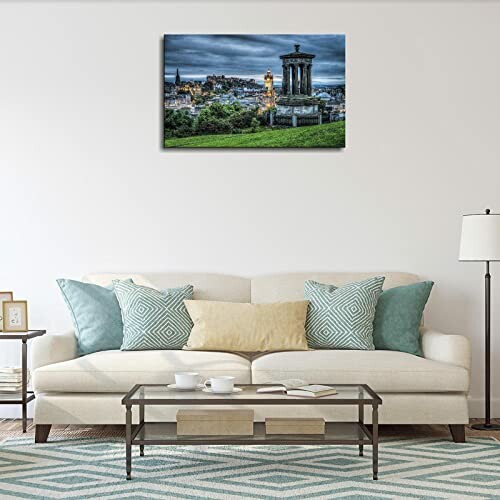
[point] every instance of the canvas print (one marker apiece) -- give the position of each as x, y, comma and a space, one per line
254, 91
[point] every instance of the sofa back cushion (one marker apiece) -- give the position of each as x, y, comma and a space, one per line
290, 286
244, 327
207, 286
106, 279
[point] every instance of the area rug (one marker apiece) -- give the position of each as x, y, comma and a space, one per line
95, 468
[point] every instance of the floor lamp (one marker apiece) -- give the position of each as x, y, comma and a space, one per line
480, 242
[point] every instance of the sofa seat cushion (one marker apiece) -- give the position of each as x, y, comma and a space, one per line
118, 371
383, 371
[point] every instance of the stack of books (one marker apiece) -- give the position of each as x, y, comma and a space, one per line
300, 388
11, 379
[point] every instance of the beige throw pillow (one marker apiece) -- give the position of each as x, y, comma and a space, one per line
230, 326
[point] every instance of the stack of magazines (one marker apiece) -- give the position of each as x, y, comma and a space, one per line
11, 379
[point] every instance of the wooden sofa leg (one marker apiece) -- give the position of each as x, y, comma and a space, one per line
457, 433
42, 432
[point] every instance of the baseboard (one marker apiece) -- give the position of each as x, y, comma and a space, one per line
476, 408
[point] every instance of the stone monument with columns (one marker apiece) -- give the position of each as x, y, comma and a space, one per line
296, 106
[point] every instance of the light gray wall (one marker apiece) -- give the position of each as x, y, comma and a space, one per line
85, 186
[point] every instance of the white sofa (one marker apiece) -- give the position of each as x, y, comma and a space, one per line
88, 389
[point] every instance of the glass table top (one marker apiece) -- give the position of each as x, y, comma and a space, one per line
161, 394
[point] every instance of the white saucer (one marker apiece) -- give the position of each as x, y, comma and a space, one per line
175, 388
235, 390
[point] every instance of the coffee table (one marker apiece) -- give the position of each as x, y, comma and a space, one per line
164, 433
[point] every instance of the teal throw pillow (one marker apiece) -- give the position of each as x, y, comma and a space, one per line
342, 318
96, 315
153, 319
398, 317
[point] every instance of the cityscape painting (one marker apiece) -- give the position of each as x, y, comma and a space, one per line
254, 91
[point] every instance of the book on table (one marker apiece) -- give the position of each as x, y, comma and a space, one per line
11, 379
299, 388
312, 391
11, 388
10, 369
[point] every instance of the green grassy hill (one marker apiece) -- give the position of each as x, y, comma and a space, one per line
329, 135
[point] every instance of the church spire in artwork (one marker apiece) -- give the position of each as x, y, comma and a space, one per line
177, 77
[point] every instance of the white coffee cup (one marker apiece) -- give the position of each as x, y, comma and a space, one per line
223, 384
187, 380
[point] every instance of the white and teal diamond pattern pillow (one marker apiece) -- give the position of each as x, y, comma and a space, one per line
153, 319
342, 318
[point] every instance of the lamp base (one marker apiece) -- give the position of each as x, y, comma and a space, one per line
486, 427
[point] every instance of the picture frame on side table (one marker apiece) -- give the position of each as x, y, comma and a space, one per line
4, 296
15, 315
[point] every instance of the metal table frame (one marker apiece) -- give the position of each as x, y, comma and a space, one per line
26, 396
141, 434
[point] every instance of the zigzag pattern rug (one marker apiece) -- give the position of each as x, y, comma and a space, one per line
90, 468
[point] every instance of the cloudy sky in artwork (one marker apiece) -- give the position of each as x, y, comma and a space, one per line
249, 56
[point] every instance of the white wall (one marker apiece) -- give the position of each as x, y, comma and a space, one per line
86, 187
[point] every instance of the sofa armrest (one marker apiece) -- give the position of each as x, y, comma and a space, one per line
53, 348
453, 349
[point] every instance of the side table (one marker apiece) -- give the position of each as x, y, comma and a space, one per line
26, 396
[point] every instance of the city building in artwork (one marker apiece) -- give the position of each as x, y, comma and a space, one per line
177, 77
296, 105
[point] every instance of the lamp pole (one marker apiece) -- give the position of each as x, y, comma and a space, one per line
487, 425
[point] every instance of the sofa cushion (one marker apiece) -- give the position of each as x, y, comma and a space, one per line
118, 371
290, 286
106, 279
153, 319
95, 313
398, 316
244, 327
342, 318
207, 286
383, 371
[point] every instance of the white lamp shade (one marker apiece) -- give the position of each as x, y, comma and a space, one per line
480, 237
